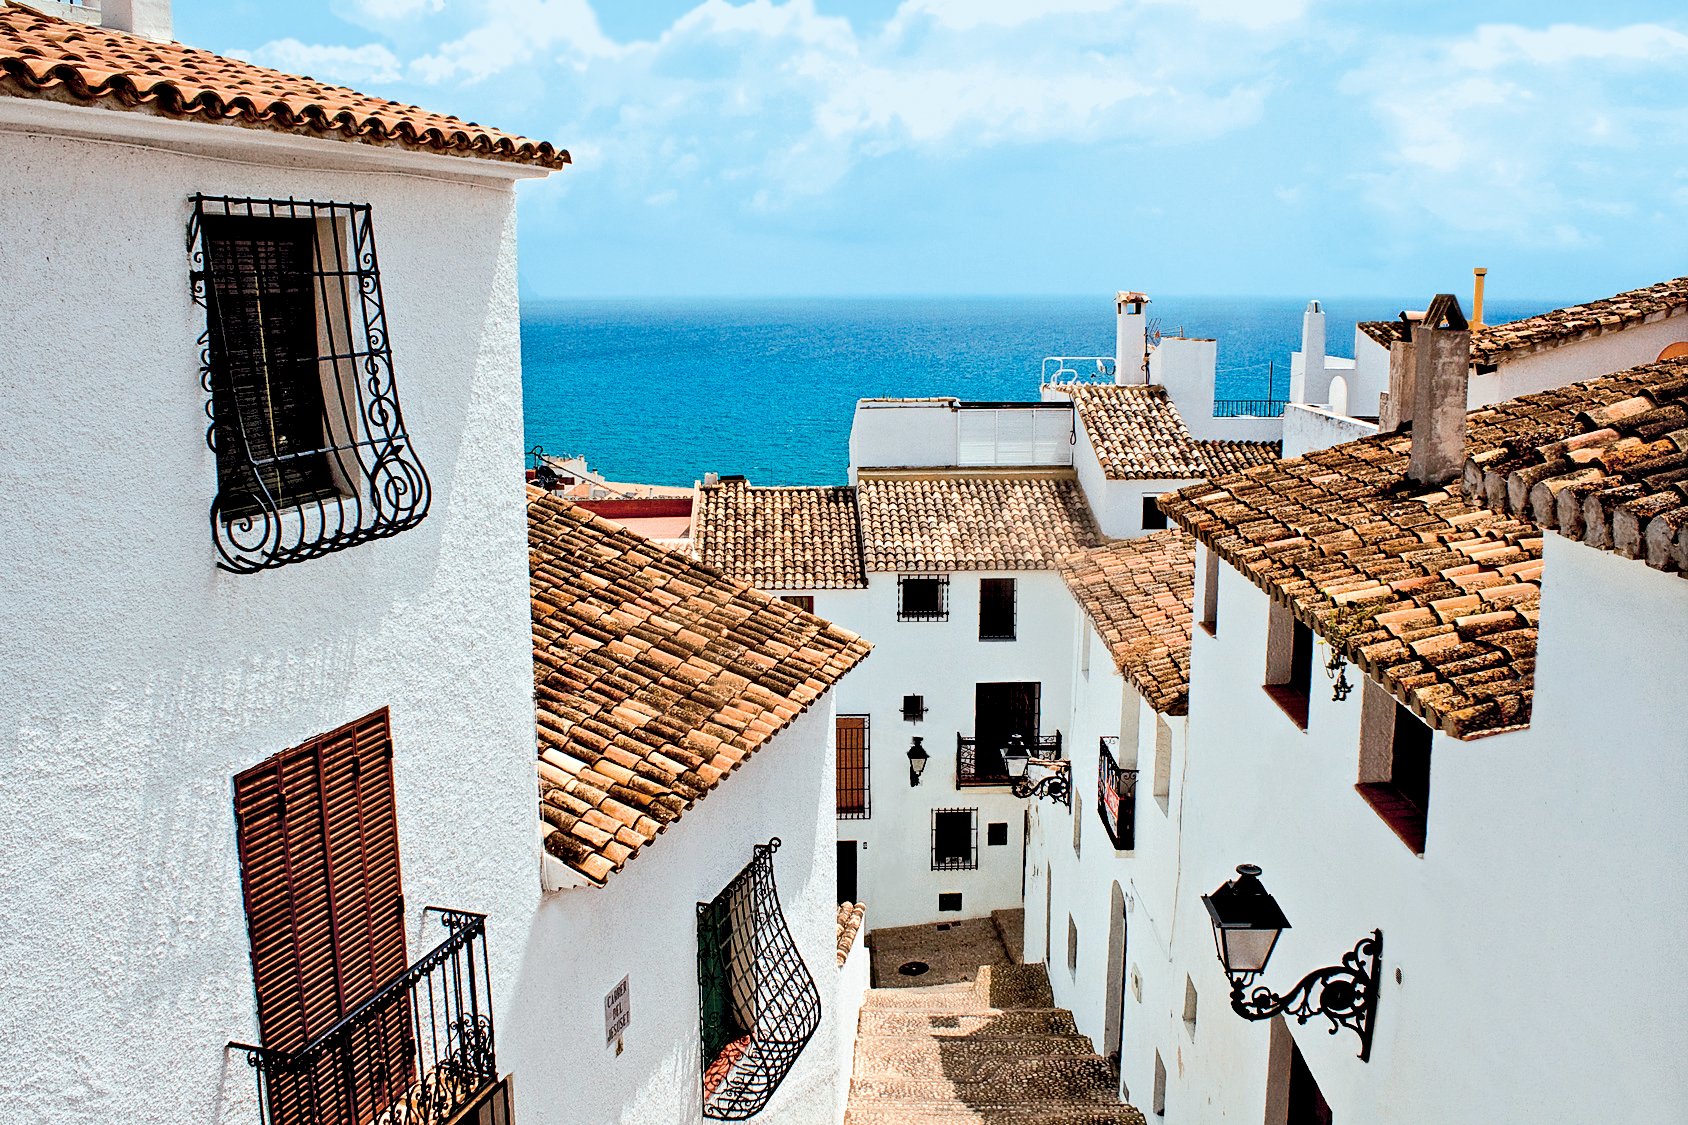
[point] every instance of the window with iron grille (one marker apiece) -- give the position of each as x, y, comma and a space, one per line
310, 446
955, 839
996, 609
854, 794
923, 597
758, 1006
914, 708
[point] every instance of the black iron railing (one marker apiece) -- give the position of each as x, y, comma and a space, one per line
1116, 797
758, 1005
1248, 408
976, 765
416, 1053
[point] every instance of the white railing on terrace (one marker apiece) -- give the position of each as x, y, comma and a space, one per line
1063, 369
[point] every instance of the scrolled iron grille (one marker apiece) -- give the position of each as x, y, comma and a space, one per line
979, 766
416, 1053
342, 469
1116, 797
758, 1006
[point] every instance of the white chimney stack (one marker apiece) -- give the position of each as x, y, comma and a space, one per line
1131, 363
150, 18
1312, 382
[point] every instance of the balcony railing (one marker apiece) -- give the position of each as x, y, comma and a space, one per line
1116, 797
418, 1052
1248, 408
1063, 370
974, 768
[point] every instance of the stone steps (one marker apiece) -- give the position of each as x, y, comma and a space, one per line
994, 1050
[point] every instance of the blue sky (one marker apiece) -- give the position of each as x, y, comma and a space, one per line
819, 147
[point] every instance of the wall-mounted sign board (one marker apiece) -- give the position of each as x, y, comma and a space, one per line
618, 1011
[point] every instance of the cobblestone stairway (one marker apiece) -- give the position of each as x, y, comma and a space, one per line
994, 1050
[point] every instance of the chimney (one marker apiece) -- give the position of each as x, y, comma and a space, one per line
1131, 352
1478, 273
1441, 354
1312, 384
150, 18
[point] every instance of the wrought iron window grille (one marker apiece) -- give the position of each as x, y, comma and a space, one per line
1116, 796
302, 409
923, 597
978, 766
758, 1005
418, 1052
914, 708
949, 853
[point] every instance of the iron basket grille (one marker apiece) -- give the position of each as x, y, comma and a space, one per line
1116, 797
758, 1005
418, 1052
311, 449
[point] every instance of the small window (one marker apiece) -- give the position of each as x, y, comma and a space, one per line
854, 792
1190, 1006
1395, 765
949, 902
804, 602
1153, 518
996, 609
1159, 1103
996, 833
1163, 763
914, 708
1289, 663
1072, 946
1210, 592
309, 442
955, 839
1136, 984
923, 597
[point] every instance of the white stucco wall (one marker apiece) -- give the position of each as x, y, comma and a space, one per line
140, 678
1587, 358
643, 925
1551, 872
942, 661
1307, 428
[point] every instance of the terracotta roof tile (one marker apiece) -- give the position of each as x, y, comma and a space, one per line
1026, 520
1397, 575
42, 56
1384, 332
654, 677
1138, 434
781, 538
1137, 593
850, 916
1494, 342
1615, 477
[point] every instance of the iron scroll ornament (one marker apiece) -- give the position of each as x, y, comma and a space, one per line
1055, 786
1344, 994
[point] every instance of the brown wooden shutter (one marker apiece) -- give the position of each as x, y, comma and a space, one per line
318, 836
852, 780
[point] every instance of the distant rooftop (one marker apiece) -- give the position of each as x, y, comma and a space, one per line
781, 538
934, 522
1137, 592
1138, 434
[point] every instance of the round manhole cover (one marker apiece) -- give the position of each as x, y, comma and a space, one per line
912, 968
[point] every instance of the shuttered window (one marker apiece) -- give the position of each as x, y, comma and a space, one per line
853, 791
319, 858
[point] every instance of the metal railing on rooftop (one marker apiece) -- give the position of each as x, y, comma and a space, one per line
1060, 370
1248, 407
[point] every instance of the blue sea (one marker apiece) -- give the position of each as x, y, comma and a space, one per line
661, 392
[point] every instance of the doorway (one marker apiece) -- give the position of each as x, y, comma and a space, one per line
847, 850
1000, 711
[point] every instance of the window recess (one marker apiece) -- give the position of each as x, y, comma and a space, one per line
1153, 518
922, 597
1394, 764
311, 450
996, 609
1289, 663
955, 839
914, 708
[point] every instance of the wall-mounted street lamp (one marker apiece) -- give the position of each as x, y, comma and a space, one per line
1335, 669
917, 759
1036, 777
1246, 926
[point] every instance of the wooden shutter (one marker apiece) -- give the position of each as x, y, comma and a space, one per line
852, 781
318, 837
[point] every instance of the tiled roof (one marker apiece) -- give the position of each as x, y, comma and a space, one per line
1138, 434
1137, 593
850, 916
1493, 342
913, 523
45, 57
654, 677
1384, 332
1615, 477
781, 538
1435, 600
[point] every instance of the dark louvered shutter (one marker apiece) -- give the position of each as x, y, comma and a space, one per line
325, 911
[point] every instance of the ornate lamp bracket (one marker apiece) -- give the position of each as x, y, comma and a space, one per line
1056, 787
1344, 994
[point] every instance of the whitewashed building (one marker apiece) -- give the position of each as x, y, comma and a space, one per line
266, 623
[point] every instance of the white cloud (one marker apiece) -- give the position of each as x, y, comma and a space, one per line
1526, 134
515, 33
329, 62
385, 10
